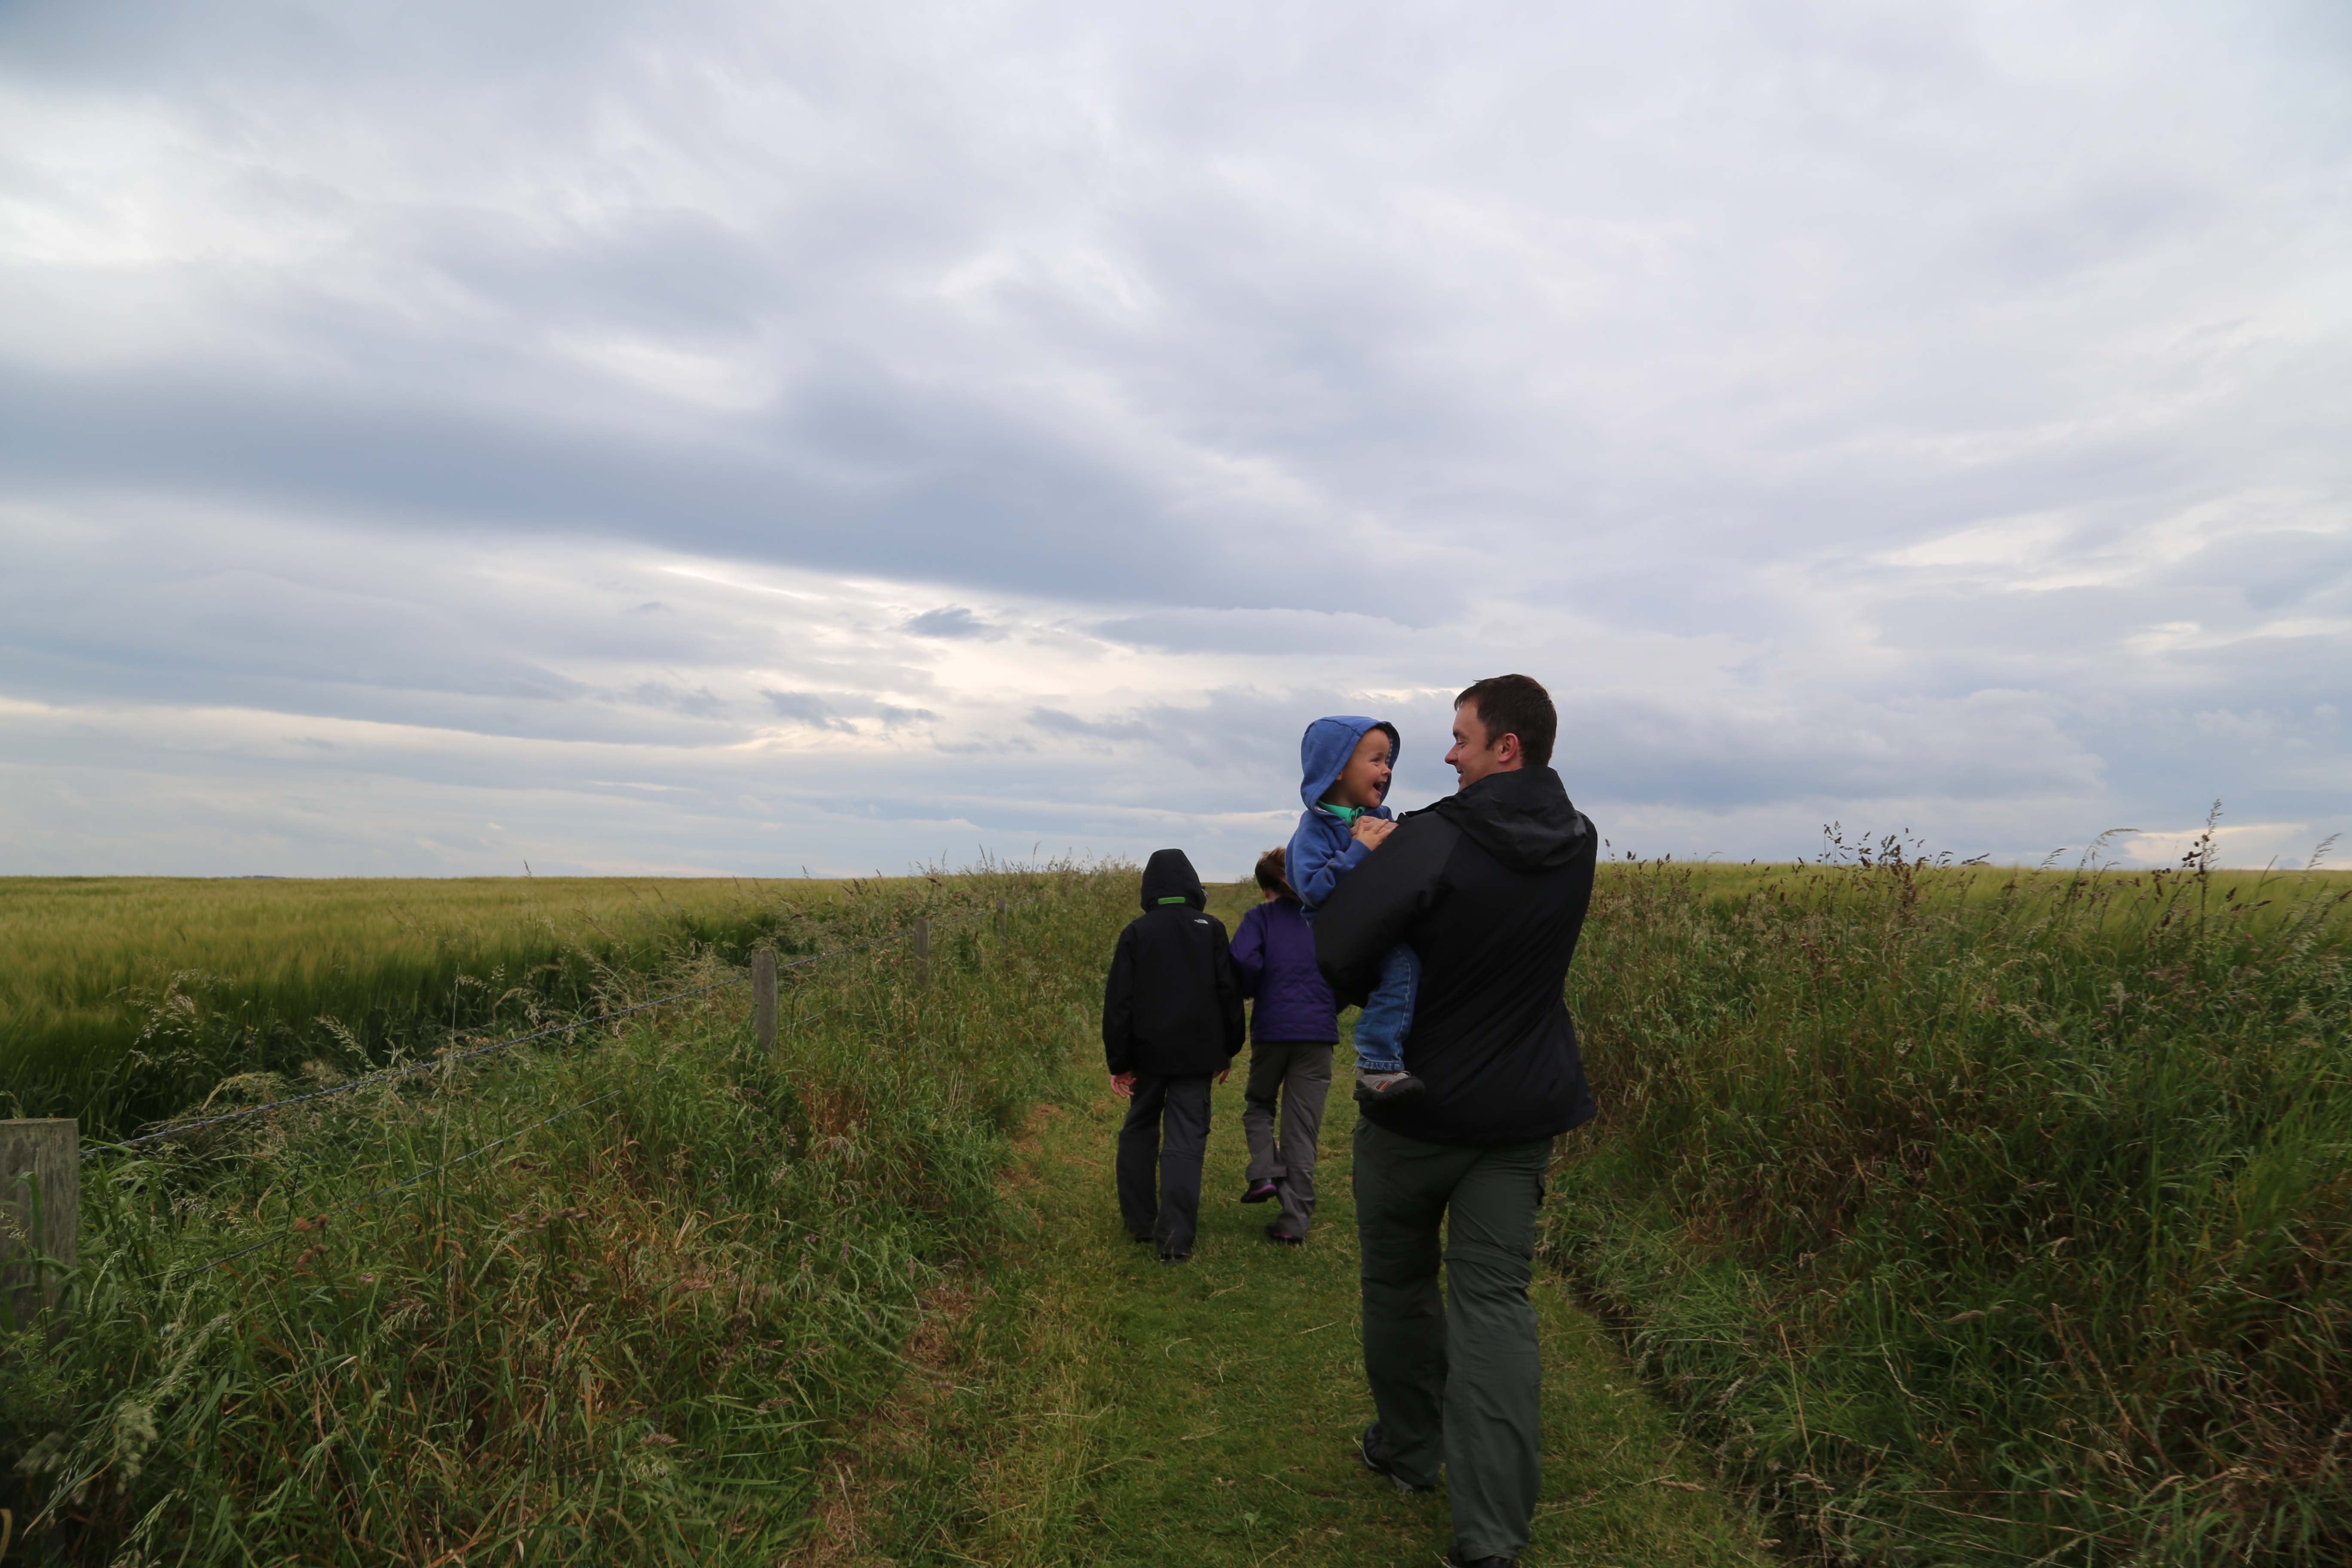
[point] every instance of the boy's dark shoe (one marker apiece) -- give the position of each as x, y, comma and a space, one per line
1376, 1459
1175, 1258
1388, 1088
1455, 1558
1132, 1237
1258, 1191
1275, 1233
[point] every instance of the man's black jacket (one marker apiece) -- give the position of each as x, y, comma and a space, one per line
1490, 887
1173, 1005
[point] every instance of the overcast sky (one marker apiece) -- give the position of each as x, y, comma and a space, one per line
722, 437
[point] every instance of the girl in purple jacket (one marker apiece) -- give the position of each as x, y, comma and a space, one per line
1294, 1024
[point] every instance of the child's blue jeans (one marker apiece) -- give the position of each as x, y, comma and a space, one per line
1387, 1017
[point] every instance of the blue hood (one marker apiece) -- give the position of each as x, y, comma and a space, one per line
1326, 747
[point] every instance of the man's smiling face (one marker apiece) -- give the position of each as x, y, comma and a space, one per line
1476, 754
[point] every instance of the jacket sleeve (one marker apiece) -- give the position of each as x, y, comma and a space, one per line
1379, 903
1249, 952
1323, 869
1229, 998
1119, 1006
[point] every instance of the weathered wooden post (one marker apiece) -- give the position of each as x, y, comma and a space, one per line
1003, 920
923, 955
763, 1001
40, 1213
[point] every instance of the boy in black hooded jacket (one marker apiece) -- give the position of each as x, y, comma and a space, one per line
1171, 1022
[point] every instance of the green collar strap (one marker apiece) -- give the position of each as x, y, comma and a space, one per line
1347, 814
1179, 898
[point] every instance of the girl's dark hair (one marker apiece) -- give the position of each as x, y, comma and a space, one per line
1273, 874
1514, 705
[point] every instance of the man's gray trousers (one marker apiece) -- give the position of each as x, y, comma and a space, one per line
1300, 1075
1456, 1381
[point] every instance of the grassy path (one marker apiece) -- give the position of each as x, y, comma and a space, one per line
1095, 1406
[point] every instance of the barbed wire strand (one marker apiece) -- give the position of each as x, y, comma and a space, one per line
453, 1058
386, 1190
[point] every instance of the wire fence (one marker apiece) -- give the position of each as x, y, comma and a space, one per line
398, 1073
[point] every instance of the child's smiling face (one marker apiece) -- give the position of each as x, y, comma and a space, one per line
1364, 782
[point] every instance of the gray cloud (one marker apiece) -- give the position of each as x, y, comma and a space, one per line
951, 621
806, 708
1055, 722
1848, 410
838, 711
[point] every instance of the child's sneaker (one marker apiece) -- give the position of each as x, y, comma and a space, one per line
1259, 1191
1386, 1088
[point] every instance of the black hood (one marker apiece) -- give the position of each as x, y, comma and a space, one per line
1169, 875
1522, 818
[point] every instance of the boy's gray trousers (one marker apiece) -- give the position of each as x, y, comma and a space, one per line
1301, 1074
1456, 1381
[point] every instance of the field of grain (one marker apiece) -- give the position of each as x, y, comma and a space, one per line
127, 998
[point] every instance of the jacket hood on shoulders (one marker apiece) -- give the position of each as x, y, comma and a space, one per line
1326, 747
1523, 818
1170, 875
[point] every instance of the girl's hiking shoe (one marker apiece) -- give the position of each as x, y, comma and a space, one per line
1386, 1088
1275, 1233
1376, 1459
1258, 1191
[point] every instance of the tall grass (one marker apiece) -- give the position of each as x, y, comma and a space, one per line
625, 1333
1978, 1216
125, 997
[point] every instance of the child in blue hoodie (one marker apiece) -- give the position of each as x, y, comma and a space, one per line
1345, 764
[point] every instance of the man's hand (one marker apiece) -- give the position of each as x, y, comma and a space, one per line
1122, 1084
1224, 1075
1370, 830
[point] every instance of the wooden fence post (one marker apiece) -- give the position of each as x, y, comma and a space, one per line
40, 1212
763, 1001
1004, 922
923, 954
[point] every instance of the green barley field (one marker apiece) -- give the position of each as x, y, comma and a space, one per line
125, 998
1948, 1214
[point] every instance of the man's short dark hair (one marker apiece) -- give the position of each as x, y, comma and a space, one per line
1274, 873
1514, 705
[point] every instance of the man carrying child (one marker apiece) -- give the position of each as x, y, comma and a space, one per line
1488, 888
